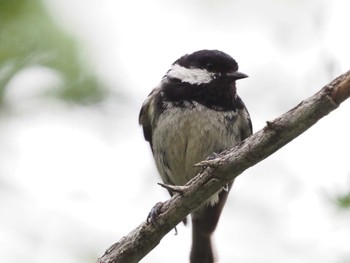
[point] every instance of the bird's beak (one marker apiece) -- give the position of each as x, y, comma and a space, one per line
237, 75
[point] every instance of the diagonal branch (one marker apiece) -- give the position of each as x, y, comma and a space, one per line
226, 166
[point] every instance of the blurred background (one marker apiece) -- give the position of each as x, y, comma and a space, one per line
75, 172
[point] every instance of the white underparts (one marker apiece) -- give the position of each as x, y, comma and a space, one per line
214, 199
190, 75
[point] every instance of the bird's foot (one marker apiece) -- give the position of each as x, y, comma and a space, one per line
154, 213
210, 161
213, 156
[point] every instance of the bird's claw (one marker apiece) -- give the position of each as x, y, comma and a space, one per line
154, 213
213, 156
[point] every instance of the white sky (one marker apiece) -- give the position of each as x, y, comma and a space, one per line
80, 180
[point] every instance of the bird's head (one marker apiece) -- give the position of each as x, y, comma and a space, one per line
205, 66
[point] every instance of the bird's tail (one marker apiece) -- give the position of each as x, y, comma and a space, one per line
202, 251
204, 222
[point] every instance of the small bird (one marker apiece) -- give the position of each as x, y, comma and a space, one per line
194, 113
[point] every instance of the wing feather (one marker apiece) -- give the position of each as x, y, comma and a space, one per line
148, 116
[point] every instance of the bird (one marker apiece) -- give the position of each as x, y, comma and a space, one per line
193, 113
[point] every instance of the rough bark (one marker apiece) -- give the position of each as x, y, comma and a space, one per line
225, 167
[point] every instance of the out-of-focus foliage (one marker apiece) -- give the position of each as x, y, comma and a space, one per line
340, 198
343, 200
29, 37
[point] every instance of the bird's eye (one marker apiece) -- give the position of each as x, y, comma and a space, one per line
209, 66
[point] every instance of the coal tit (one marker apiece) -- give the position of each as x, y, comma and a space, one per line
194, 112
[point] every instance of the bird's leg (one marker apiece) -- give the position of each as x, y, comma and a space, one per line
213, 156
154, 213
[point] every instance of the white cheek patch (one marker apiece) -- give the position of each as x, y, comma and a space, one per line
190, 75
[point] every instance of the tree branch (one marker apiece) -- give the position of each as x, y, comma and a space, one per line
225, 167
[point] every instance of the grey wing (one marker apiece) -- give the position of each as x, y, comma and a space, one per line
145, 122
247, 130
148, 118
148, 115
